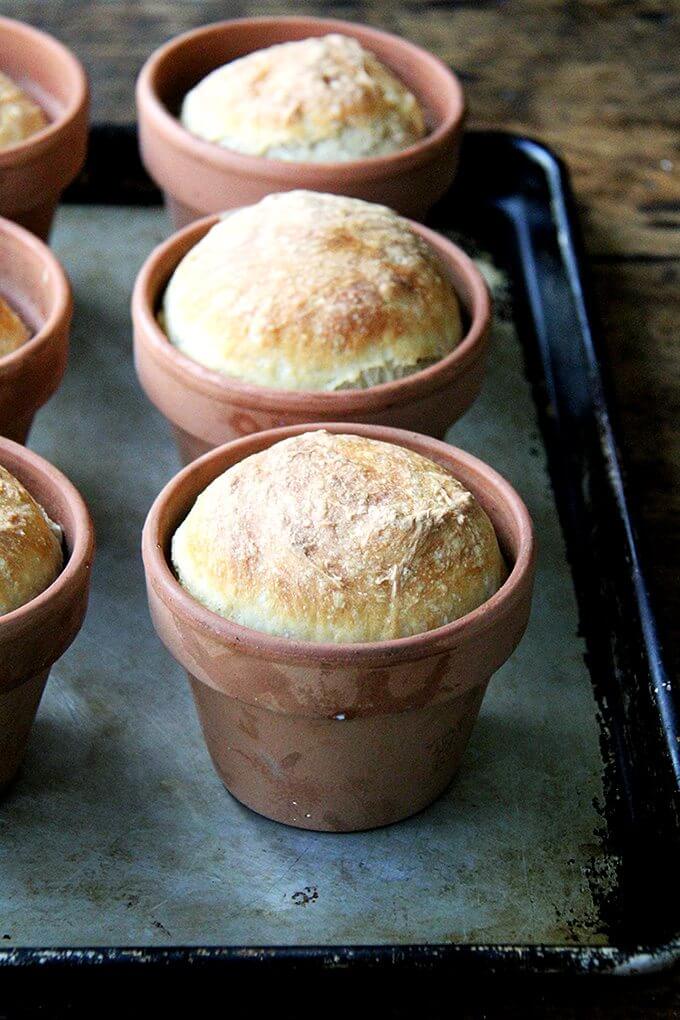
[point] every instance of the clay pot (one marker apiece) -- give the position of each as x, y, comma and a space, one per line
35, 172
207, 408
34, 636
200, 177
347, 736
34, 283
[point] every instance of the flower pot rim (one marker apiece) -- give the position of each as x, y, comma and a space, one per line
158, 530
36, 611
169, 127
59, 315
41, 141
151, 282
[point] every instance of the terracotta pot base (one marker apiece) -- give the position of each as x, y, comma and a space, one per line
38, 219
335, 775
17, 712
188, 447
338, 737
18, 429
180, 215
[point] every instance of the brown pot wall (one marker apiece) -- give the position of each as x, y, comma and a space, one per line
18, 708
36, 171
18, 428
199, 177
321, 773
33, 637
33, 281
206, 408
338, 737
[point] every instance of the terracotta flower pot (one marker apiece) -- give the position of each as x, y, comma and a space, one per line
207, 408
34, 283
34, 636
199, 177
35, 172
338, 737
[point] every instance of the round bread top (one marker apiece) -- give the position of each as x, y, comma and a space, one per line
13, 330
20, 116
323, 99
30, 545
338, 538
306, 291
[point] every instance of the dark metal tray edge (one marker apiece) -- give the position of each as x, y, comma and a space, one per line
634, 690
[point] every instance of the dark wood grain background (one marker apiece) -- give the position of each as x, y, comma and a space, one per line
598, 81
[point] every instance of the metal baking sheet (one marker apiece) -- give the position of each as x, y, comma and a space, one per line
119, 833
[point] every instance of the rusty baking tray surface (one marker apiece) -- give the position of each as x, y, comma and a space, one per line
119, 846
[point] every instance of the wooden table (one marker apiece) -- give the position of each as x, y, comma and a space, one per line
599, 82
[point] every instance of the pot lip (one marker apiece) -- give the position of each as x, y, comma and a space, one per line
12, 455
221, 388
151, 106
261, 645
43, 140
60, 312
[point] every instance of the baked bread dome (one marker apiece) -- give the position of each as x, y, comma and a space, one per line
13, 330
20, 116
306, 291
323, 99
338, 538
30, 545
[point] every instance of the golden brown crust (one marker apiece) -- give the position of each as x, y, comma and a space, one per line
13, 330
309, 291
20, 116
30, 545
324, 99
338, 538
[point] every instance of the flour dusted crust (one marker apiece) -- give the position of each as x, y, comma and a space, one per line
324, 99
20, 116
338, 538
30, 545
307, 291
13, 330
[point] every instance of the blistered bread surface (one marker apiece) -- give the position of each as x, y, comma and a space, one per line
30, 545
338, 538
13, 330
20, 116
307, 291
324, 99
